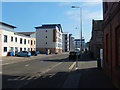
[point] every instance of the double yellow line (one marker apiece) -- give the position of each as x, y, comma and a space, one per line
71, 67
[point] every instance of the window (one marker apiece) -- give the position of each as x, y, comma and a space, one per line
28, 49
118, 47
11, 49
20, 40
16, 39
5, 38
24, 41
31, 42
24, 49
11, 39
34, 42
20, 49
28, 41
16, 49
46, 42
5, 49
46, 36
46, 30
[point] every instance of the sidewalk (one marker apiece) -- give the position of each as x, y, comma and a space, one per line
89, 77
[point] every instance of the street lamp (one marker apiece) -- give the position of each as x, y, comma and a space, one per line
80, 32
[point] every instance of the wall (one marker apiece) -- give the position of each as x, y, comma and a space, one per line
13, 44
44, 40
111, 49
33, 46
0, 42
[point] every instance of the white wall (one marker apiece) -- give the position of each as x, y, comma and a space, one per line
41, 39
13, 44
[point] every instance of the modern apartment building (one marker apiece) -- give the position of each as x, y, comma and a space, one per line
49, 38
78, 44
32, 36
71, 43
12, 41
65, 42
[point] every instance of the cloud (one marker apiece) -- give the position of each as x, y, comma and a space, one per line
86, 14
64, 3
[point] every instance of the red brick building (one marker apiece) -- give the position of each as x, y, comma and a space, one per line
111, 15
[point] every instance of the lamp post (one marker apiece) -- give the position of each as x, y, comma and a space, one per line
80, 33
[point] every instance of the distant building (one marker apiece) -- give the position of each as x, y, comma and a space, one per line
96, 42
65, 42
71, 43
78, 44
111, 15
32, 36
49, 38
12, 41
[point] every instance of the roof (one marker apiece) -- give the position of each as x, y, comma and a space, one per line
7, 24
44, 26
25, 33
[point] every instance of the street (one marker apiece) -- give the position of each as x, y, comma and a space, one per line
17, 75
54, 71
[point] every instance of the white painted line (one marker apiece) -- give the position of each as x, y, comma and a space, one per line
27, 65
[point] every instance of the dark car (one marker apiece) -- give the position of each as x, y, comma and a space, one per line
34, 53
74, 55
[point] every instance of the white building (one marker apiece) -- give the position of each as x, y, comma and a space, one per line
49, 38
65, 42
12, 41
78, 44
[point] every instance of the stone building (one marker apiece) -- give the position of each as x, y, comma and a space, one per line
96, 42
111, 15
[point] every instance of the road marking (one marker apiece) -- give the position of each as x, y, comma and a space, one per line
24, 78
30, 77
27, 65
71, 67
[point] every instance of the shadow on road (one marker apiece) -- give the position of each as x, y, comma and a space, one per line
90, 78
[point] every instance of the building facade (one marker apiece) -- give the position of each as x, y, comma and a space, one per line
32, 36
71, 43
12, 41
49, 38
78, 43
96, 42
65, 42
0, 41
111, 15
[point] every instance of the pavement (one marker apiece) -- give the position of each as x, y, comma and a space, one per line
88, 77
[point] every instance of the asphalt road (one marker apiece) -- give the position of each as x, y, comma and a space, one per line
48, 72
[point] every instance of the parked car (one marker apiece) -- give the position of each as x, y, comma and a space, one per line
23, 53
34, 53
73, 55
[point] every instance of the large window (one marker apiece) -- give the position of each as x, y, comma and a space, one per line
5, 38
118, 46
31, 42
11, 39
5, 49
24, 41
20, 40
20, 49
16, 39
